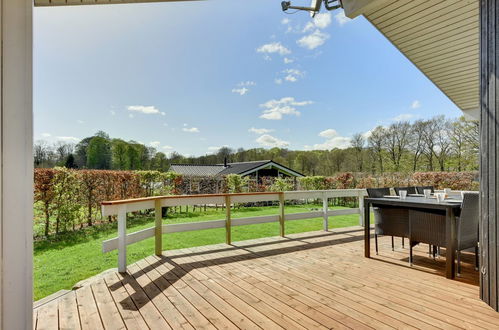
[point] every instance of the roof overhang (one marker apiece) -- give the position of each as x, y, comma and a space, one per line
47, 3
271, 165
440, 37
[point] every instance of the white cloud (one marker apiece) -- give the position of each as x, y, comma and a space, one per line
341, 18
246, 83
148, 110
276, 109
241, 91
274, 47
403, 117
333, 140
80, 121
415, 104
313, 40
155, 144
68, 138
328, 134
167, 147
292, 75
278, 81
191, 130
320, 21
260, 130
288, 60
46, 135
131, 115
112, 112
285, 21
271, 142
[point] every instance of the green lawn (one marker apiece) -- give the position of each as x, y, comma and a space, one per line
62, 261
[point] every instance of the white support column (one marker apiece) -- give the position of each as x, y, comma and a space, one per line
361, 210
325, 208
122, 239
16, 169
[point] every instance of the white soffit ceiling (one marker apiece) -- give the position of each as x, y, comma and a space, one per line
441, 37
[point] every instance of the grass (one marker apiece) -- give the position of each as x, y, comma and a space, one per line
63, 260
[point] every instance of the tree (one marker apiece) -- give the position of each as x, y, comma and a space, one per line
416, 143
118, 154
396, 141
70, 162
81, 152
99, 153
358, 142
377, 143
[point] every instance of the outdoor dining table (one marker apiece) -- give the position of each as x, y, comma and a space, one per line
450, 206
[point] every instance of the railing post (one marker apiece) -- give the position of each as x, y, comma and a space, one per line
122, 239
158, 230
281, 215
325, 208
362, 220
228, 238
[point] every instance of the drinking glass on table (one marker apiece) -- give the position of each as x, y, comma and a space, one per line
440, 197
427, 193
403, 194
447, 191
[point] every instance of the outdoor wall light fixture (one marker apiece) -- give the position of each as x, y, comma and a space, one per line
315, 6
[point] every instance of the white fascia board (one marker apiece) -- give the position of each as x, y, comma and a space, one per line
354, 8
58, 3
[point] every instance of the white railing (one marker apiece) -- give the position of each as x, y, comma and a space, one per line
121, 208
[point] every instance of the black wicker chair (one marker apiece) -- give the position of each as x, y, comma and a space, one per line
410, 190
426, 227
420, 190
389, 221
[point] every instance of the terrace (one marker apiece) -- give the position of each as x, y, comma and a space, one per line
309, 280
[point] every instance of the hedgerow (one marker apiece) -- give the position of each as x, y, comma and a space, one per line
68, 199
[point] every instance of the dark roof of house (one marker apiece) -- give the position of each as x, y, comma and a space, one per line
196, 170
242, 168
239, 168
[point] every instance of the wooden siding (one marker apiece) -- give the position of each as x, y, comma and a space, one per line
489, 165
314, 280
441, 37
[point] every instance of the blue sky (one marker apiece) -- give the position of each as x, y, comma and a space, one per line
191, 77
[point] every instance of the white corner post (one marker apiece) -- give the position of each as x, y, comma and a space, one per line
325, 209
122, 239
158, 229
362, 221
16, 157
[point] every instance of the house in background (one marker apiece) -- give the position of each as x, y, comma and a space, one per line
255, 169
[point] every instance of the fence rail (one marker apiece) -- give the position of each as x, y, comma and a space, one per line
122, 207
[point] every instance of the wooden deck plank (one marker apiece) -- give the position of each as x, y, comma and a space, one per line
174, 318
365, 316
48, 318
307, 281
151, 315
229, 279
87, 309
110, 316
218, 319
126, 307
232, 313
190, 312
68, 312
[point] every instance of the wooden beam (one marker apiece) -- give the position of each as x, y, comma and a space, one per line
228, 238
158, 228
489, 161
282, 216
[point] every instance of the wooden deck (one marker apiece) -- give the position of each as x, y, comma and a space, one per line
312, 280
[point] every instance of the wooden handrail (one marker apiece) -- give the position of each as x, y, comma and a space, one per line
122, 207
